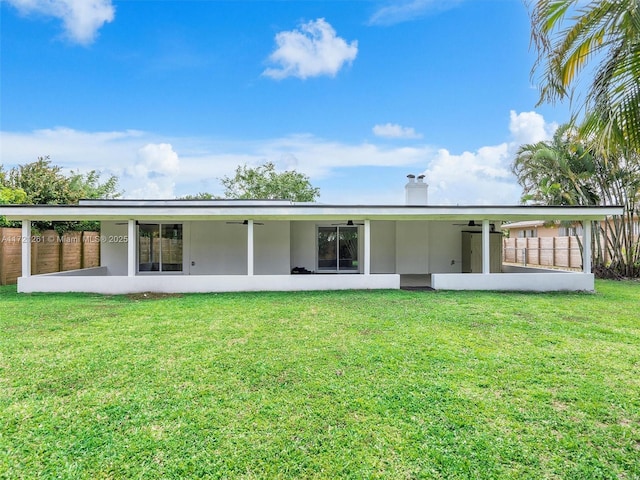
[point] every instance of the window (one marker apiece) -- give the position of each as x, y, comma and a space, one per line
574, 231
338, 249
528, 233
160, 247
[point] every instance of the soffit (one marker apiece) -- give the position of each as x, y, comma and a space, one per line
314, 212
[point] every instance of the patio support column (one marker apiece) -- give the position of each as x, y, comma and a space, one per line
131, 248
486, 237
250, 248
26, 248
586, 246
367, 247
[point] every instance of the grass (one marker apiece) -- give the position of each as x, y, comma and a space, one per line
389, 384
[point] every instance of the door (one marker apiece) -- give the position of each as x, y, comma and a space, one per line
338, 249
472, 252
159, 247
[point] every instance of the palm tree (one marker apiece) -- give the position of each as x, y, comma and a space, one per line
564, 172
559, 172
569, 35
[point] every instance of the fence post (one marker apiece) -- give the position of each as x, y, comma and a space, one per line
82, 250
34, 255
539, 252
569, 250
586, 247
60, 239
3, 275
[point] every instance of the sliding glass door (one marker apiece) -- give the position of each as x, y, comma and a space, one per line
338, 249
159, 247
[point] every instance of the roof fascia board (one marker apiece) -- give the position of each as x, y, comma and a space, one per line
303, 212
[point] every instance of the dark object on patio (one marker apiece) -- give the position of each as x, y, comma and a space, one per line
300, 271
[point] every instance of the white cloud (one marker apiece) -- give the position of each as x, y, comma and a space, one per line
159, 158
398, 11
143, 165
484, 176
195, 164
155, 171
319, 158
81, 18
311, 51
392, 130
71, 148
480, 177
152, 167
530, 127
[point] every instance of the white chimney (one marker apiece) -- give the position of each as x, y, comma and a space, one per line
416, 192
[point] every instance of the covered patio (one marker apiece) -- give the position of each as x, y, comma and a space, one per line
228, 246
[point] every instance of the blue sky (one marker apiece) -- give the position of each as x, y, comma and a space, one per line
172, 95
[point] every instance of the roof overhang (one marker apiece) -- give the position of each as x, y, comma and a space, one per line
312, 212
524, 224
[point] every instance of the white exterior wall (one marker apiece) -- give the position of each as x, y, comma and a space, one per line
84, 272
383, 247
220, 252
216, 248
529, 282
303, 245
271, 245
203, 283
445, 240
412, 247
113, 250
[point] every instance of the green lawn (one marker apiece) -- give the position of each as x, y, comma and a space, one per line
387, 384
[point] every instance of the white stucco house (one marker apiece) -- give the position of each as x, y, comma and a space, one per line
252, 245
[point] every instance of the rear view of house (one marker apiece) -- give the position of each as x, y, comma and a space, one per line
251, 245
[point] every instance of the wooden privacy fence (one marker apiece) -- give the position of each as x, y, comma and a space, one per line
150, 249
560, 252
50, 252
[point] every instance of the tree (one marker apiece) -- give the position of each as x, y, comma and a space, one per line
46, 184
90, 186
618, 179
199, 196
41, 183
570, 35
565, 172
559, 172
605, 31
10, 195
264, 182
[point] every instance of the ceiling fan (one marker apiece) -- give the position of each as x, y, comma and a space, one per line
244, 222
348, 224
470, 224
